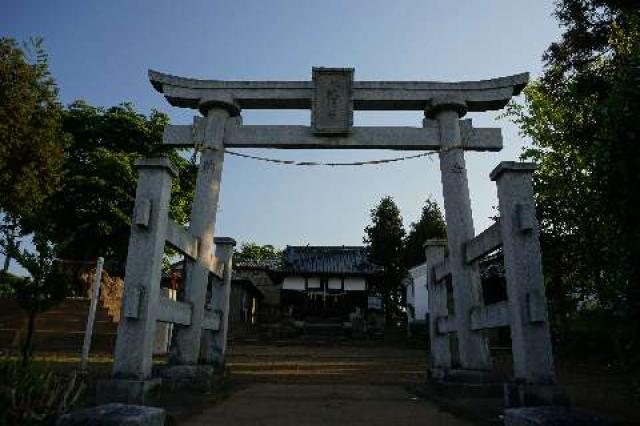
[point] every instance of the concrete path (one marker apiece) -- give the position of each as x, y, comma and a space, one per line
268, 404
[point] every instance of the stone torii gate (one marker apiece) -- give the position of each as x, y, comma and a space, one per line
332, 96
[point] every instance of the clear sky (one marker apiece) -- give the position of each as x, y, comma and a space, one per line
100, 51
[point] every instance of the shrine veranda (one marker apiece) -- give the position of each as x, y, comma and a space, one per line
200, 325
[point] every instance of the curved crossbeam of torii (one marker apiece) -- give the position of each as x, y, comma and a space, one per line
332, 95
481, 95
471, 96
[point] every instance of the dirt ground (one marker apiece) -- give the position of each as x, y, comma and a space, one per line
324, 381
324, 384
328, 363
271, 404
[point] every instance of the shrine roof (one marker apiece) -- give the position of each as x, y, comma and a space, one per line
346, 260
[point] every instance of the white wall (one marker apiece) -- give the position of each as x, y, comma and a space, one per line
293, 283
355, 284
313, 283
335, 283
420, 299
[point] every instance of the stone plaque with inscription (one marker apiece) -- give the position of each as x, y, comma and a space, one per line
332, 106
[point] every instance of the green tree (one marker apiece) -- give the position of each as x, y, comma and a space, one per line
430, 225
582, 117
31, 138
384, 242
91, 210
252, 252
47, 284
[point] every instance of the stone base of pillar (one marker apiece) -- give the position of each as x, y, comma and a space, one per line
458, 383
437, 374
139, 392
530, 395
114, 414
464, 383
534, 416
469, 376
189, 377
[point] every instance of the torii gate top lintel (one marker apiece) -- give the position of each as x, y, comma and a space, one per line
333, 95
481, 95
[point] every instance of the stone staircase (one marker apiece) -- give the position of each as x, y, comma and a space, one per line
60, 329
322, 330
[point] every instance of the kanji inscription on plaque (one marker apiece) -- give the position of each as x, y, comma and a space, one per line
332, 106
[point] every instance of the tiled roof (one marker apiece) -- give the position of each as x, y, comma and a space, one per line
327, 260
272, 264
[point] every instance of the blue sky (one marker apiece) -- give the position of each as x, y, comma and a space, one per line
100, 51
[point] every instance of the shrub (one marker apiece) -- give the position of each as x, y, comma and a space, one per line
34, 395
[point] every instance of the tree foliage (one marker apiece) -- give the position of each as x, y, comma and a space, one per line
252, 252
430, 225
91, 209
384, 242
583, 119
31, 137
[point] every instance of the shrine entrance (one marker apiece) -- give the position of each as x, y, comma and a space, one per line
332, 95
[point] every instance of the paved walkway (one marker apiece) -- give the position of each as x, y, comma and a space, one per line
269, 404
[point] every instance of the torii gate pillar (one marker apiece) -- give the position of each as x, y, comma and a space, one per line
185, 346
472, 345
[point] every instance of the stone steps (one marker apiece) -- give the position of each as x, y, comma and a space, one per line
72, 341
60, 329
58, 324
320, 330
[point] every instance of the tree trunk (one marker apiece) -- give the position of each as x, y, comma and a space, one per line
27, 347
388, 313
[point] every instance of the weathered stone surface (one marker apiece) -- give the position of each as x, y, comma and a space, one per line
446, 324
440, 351
173, 311
483, 244
480, 95
211, 320
490, 316
303, 137
160, 163
511, 166
181, 239
473, 347
332, 104
186, 342
442, 269
551, 416
393, 137
114, 415
136, 331
215, 341
530, 337
446, 102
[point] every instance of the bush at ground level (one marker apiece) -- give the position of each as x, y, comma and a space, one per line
35, 395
